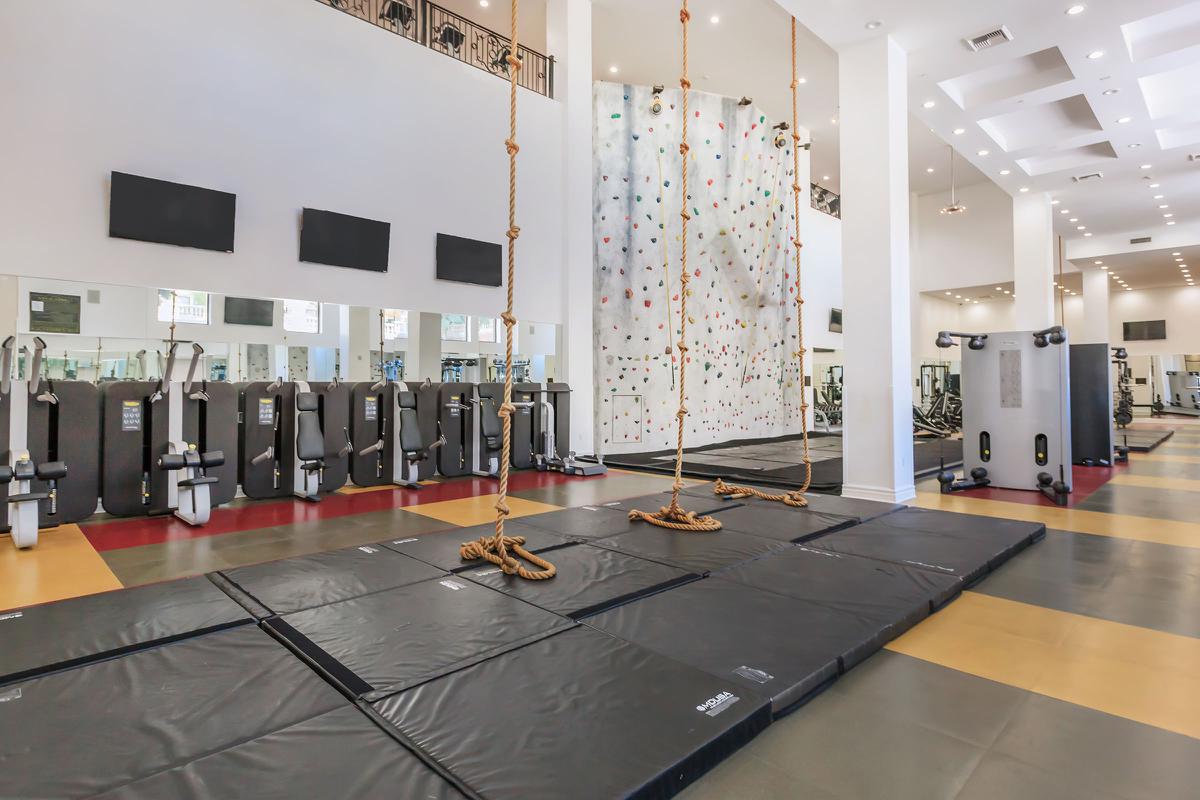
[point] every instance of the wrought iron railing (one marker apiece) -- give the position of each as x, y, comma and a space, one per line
825, 201
458, 37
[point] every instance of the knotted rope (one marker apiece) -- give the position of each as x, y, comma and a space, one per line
673, 516
496, 548
795, 497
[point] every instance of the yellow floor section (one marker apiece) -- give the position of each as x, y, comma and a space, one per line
1153, 482
1163, 458
63, 564
1119, 526
469, 511
1137, 673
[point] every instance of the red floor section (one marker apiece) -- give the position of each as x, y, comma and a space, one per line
268, 513
1085, 480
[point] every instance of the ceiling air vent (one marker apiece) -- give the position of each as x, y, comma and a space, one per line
1142, 240
990, 39
1091, 176
1194, 157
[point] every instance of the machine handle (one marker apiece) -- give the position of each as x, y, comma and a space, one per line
197, 351
35, 371
6, 378
349, 448
441, 441
375, 448
263, 456
274, 385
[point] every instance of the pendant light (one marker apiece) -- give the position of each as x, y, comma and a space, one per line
955, 207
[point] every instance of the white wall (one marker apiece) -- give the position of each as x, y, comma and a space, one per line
286, 103
1179, 306
969, 249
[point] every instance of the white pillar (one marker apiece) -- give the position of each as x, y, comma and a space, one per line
877, 442
425, 342
1095, 309
569, 40
357, 359
1034, 258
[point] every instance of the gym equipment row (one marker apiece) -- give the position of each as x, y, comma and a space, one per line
1183, 393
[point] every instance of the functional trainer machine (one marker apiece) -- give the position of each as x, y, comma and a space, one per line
1183, 393
410, 449
552, 432
1016, 411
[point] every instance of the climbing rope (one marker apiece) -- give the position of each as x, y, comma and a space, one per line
496, 549
673, 516
795, 497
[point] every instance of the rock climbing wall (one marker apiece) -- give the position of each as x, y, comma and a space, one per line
741, 369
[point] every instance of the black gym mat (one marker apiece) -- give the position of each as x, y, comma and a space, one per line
893, 596
783, 523
963, 545
583, 523
53, 636
1140, 440
94, 728
440, 549
294, 584
580, 715
858, 510
342, 753
701, 553
653, 502
589, 580
388, 641
763, 641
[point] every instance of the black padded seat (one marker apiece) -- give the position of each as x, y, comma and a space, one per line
894, 596
310, 440
580, 714
97, 727
204, 480
411, 442
773, 520
52, 636
701, 553
294, 584
963, 545
589, 580
787, 648
583, 523
440, 548
385, 642
341, 753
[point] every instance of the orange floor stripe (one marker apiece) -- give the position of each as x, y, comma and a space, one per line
63, 564
477, 510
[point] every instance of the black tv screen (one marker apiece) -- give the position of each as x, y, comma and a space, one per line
835, 320
340, 240
1145, 331
151, 210
246, 311
468, 260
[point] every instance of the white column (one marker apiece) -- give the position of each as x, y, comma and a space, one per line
1095, 309
356, 361
1034, 260
877, 442
569, 40
425, 342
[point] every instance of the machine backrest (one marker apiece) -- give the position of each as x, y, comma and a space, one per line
411, 440
489, 411
310, 440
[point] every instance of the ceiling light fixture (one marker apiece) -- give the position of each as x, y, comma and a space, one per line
1078, 8
1177, 254
1081, 227
929, 170
928, 104
1158, 197
802, 80
1055, 202
1168, 216
1125, 120
959, 131
1134, 145
484, 3
949, 292
1172, 222
1005, 171
1147, 166
1155, 185
1024, 188
958, 297
1110, 92
982, 153
1089, 233
1095, 54
1065, 211
613, 69
955, 207
714, 19
1164, 205
874, 25
1097, 263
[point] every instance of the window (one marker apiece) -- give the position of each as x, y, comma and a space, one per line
395, 324
302, 316
454, 328
189, 307
487, 329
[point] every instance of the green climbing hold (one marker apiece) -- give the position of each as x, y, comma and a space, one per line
616, 116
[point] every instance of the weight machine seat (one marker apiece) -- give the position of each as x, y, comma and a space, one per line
21, 498
489, 421
52, 471
6, 474
203, 480
213, 458
412, 444
310, 440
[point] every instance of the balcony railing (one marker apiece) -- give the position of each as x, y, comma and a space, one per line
446, 32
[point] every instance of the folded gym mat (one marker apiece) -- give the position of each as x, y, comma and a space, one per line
963, 545
701, 553
342, 753
52, 636
583, 523
97, 727
893, 595
786, 648
702, 504
589, 580
580, 714
384, 642
294, 584
440, 549
859, 510
781, 522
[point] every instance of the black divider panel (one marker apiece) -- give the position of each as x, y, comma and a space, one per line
67, 432
265, 424
893, 596
522, 424
589, 580
334, 399
781, 522
152, 710
341, 753
217, 419
585, 522
454, 457
133, 436
597, 717
371, 418
963, 545
427, 420
441, 547
701, 553
51, 636
765, 642
295, 584
382, 643
560, 398
1091, 399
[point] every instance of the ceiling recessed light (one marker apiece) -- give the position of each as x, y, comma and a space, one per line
833, 120
1095, 54
959, 131
1124, 120
1110, 92
1065, 211
802, 80
1147, 166
1073, 219
982, 153
1097, 263
714, 19
1164, 205
1089, 233
1024, 188
1172, 222
1104, 268
999, 288
1155, 185
1005, 171
1055, 202
1081, 227
958, 297
1078, 8
873, 25
613, 69
929, 169
1134, 145
484, 3
929, 104
1177, 254
1168, 216
1006, 291
1158, 197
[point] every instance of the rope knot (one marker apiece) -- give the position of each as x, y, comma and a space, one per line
502, 508
682, 412
686, 216
508, 318
684, 148
684, 16
513, 233
514, 61
512, 147
506, 410
684, 83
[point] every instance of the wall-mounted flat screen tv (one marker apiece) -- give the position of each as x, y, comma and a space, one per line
835, 320
341, 240
248, 311
1145, 331
468, 260
151, 210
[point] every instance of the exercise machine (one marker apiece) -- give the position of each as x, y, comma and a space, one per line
410, 449
455, 425
552, 432
371, 410
1122, 413
1183, 393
